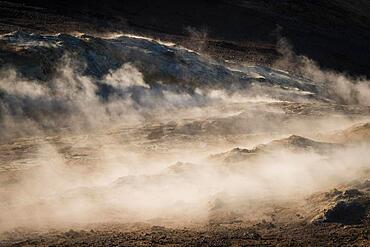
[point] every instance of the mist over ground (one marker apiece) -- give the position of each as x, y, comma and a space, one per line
125, 129
184, 123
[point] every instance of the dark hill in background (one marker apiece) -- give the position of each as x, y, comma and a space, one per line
334, 33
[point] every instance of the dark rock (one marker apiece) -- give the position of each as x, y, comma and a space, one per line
72, 234
346, 213
351, 193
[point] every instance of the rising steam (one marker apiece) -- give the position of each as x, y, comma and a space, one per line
79, 148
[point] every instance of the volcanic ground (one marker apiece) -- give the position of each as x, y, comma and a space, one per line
125, 140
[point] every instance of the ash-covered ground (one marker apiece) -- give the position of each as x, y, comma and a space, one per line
129, 141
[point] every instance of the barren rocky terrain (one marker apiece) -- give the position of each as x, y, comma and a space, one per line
333, 33
126, 126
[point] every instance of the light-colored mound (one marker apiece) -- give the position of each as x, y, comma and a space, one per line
293, 143
356, 133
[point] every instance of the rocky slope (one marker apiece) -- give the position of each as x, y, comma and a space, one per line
237, 30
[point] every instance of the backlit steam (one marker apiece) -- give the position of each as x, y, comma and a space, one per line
343, 88
124, 147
